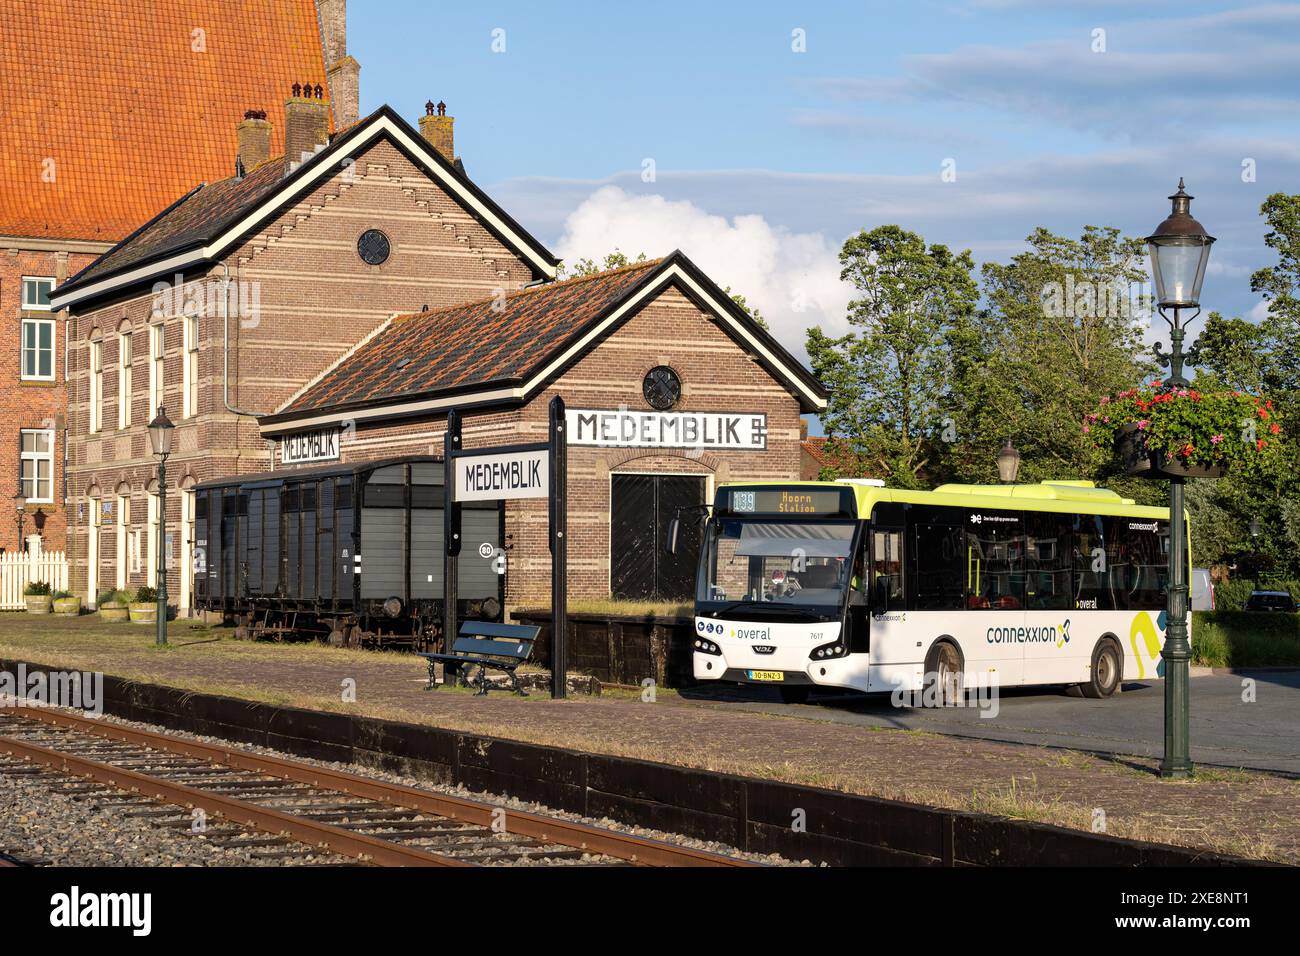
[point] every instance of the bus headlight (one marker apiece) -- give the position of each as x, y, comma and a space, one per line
707, 647
832, 650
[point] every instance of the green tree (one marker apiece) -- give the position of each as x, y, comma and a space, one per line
1062, 328
889, 375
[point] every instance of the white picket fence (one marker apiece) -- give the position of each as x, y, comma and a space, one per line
17, 570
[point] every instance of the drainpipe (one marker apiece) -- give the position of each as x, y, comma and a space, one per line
225, 351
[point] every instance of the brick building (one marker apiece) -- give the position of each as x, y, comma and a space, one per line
112, 111
362, 290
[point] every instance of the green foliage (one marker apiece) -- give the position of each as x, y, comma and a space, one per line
588, 267
1060, 332
1229, 429
63, 595
37, 589
889, 375
146, 595
753, 313
1245, 639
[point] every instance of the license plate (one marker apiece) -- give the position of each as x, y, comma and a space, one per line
766, 675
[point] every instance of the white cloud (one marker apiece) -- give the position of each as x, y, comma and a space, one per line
792, 278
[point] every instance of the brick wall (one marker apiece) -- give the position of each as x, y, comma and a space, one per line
307, 298
31, 404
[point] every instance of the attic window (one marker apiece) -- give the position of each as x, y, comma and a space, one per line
373, 247
662, 388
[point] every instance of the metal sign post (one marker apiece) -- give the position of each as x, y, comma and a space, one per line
559, 526
506, 472
451, 538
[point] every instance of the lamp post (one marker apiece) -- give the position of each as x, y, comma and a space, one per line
1008, 463
20, 513
1254, 549
160, 441
1179, 249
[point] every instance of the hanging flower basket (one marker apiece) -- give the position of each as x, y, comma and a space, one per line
1160, 433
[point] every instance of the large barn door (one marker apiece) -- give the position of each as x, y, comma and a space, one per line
641, 506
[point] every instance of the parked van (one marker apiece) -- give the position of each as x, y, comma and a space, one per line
1202, 590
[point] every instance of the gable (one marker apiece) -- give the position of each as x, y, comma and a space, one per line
212, 220
488, 353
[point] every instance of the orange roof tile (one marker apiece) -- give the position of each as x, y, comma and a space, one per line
116, 108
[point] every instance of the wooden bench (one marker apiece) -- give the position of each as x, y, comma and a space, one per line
500, 647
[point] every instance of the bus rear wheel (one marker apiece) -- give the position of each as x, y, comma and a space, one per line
1106, 672
943, 676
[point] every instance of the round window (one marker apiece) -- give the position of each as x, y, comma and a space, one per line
662, 388
373, 247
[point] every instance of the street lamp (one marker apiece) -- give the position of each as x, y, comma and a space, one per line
1179, 249
1254, 547
20, 513
1008, 463
160, 442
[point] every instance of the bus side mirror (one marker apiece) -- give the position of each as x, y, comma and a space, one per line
674, 528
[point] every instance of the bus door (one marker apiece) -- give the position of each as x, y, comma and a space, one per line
993, 636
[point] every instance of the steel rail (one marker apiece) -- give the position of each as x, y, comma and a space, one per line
582, 836
304, 830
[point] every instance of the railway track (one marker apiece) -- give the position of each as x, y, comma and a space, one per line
297, 805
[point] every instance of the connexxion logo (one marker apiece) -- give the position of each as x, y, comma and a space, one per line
1059, 635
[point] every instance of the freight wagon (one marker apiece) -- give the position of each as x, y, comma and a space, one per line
351, 553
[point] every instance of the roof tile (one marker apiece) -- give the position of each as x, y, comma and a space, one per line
116, 108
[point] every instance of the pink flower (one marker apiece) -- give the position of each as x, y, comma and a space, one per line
1216, 439
1142, 425
1106, 419
1086, 429
1105, 400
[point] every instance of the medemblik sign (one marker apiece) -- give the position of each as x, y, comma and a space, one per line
502, 476
321, 445
627, 428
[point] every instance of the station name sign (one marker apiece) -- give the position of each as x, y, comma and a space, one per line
304, 447
733, 431
498, 477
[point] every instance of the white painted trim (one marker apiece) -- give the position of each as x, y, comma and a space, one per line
535, 383
337, 153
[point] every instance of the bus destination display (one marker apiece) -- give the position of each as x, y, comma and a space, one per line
787, 501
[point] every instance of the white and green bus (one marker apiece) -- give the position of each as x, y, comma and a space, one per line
854, 585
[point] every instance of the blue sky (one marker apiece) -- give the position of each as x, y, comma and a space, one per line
765, 159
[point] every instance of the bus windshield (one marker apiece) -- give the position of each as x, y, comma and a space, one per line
804, 564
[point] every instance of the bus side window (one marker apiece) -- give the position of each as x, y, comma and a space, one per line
887, 564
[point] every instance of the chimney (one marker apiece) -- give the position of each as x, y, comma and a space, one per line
306, 123
253, 135
342, 71
436, 127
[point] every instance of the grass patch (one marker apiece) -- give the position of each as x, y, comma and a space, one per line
614, 606
1245, 639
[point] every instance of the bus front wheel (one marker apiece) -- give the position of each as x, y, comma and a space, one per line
943, 676
1106, 672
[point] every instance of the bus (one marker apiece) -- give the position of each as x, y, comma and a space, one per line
854, 585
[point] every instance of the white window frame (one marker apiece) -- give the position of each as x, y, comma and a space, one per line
30, 306
35, 375
157, 368
190, 366
96, 411
124, 357
123, 521
36, 457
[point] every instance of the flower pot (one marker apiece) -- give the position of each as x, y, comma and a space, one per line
144, 613
1136, 459
69, 606
39, 603
114, 612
